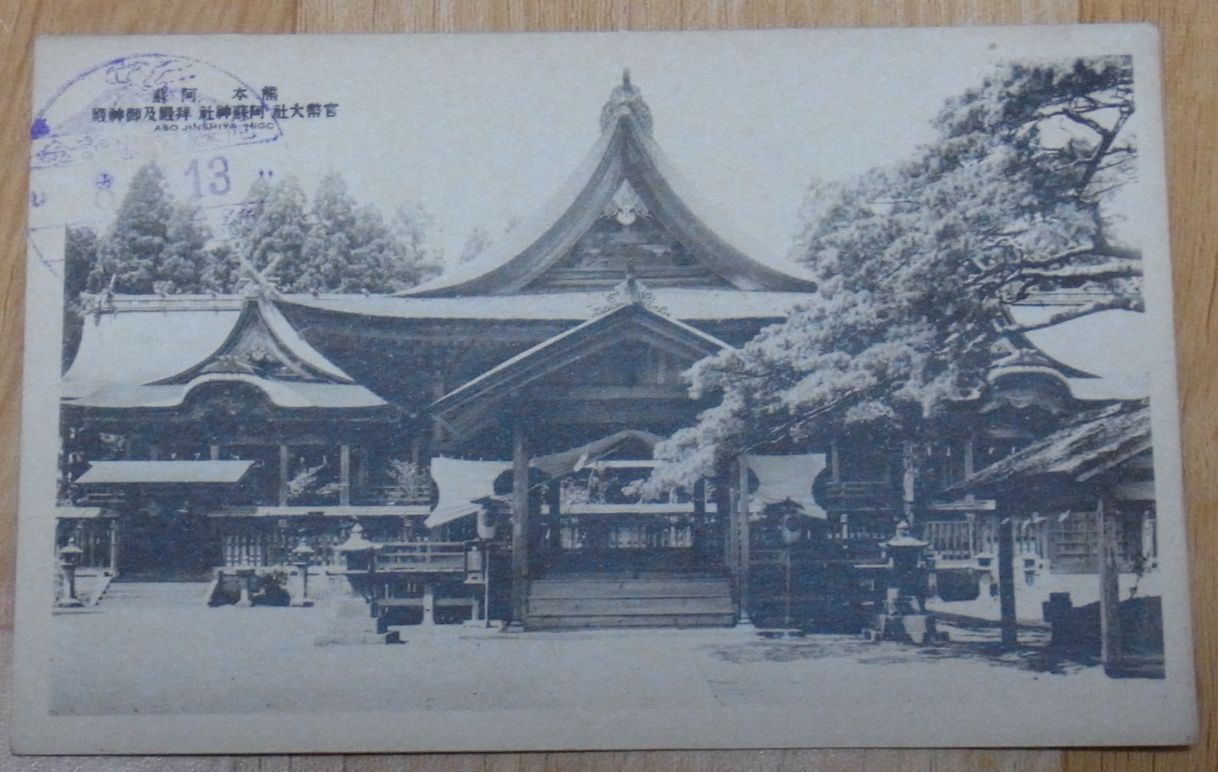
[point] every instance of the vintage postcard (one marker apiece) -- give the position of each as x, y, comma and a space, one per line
583, 391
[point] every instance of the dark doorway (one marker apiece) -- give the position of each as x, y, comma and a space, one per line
167, 546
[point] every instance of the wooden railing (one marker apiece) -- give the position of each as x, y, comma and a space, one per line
950, 539
859, 493
421, 556
370, 495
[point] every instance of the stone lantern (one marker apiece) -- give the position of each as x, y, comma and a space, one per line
904, 616
906, 583
357, 551
302, 558
69, 559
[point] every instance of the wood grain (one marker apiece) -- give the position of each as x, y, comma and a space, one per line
1190, 43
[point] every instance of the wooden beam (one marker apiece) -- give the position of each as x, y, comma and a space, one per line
593, 392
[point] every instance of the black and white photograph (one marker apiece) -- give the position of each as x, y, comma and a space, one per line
577, 391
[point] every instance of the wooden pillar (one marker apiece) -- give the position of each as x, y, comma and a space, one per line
1110, 589
554, 515
909, 480
728, 513
114, 546
429, 605
969, 457
1006, 580
520, 526
283, 475
344, 475
742, 538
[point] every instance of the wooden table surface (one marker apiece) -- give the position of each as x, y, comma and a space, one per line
1190, 42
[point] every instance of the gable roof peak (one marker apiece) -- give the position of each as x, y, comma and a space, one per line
626, 101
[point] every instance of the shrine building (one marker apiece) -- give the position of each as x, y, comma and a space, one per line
484, 436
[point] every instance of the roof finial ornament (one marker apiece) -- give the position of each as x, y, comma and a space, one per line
626, 101
630, 292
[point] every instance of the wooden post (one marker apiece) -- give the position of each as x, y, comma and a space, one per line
114, 546
1110, 588
743, 539
344, 475
520, 526
283, 475
213, 452
1006, 580
728, 512
429, 604
909, 479
553, 518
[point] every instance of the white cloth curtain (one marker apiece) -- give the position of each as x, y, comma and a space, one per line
460, 482
789, 478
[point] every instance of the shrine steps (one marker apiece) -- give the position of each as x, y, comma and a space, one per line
155, 595
592, 601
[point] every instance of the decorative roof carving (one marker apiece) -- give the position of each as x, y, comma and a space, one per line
625, 99
626, 206
631, 291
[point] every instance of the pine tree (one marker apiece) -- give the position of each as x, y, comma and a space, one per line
918, 264
184, 263
155, 244
326, 254
417, 258
272, 228
79, 255
129, 257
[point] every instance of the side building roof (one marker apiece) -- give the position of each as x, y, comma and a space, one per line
152, 355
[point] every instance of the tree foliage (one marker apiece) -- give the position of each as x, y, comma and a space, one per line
79, 254
336, 244
918, 263
276, 237
129, 257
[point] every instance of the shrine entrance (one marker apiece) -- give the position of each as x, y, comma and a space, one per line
592, 544
604, 551
167, 546
600, 518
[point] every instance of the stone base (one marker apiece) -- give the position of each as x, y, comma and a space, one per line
347, 639
352, 623
910, 628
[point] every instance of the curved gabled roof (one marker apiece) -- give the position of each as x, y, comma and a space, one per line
534, 362
291, 349
625, 154
211, 343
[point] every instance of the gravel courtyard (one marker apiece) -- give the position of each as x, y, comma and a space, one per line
230, 660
